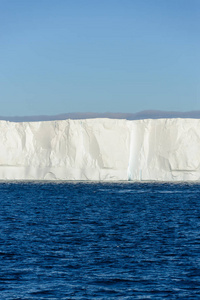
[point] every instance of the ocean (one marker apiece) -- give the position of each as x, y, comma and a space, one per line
81, 240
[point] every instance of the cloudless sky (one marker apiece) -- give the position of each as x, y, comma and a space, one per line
59, 56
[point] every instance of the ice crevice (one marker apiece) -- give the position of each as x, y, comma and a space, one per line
101, 149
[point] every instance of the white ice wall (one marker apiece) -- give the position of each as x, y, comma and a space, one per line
101, 149
169, 151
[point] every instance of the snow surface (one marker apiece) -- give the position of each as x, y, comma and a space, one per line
101, 149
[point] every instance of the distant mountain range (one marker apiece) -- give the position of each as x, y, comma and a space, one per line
146, 114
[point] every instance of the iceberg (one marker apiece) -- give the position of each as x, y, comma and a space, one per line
101, 149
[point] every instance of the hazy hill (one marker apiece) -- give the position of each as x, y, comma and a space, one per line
147, 114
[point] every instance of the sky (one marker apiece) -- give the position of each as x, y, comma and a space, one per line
99, 56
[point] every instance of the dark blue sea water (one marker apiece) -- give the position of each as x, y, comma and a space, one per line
99, 241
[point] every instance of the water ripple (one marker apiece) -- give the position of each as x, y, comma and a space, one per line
99, 241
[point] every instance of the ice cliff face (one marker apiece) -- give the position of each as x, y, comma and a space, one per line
101, 149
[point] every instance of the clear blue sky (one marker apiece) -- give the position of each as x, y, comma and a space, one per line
59, 56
